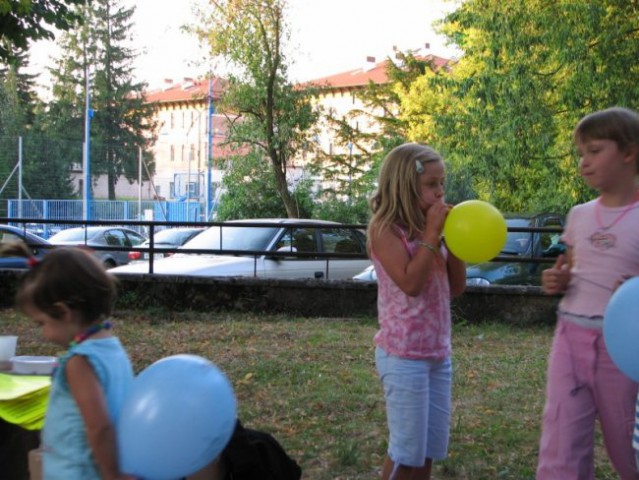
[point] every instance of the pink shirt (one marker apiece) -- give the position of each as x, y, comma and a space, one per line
414, 327
600, 255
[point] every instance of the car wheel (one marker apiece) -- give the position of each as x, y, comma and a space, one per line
109, 264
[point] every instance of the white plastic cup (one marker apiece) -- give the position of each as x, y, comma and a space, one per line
7, 350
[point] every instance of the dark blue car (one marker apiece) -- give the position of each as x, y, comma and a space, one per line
9, 234
521, 245
512, 269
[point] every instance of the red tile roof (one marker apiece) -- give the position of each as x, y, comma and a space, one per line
186, 91
198, 89
360, 77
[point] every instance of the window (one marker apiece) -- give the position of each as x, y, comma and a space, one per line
304, 240
172, 153
342, 241
551, 241
192, 190
8, 237
115, 238
298, 240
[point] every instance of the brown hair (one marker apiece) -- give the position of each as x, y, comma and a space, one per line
619, 124
15, 249
396, 200
72, 276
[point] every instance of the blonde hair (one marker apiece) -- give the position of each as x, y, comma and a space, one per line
619, 124
396, 200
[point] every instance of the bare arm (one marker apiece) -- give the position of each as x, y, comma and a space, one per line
411, 273
89, 396
456, 275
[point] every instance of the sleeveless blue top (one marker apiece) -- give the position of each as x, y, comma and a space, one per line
66, 452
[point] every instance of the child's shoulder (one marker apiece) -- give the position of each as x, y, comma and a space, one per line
582, 208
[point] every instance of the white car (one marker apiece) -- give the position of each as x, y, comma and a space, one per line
316, 249
168, 238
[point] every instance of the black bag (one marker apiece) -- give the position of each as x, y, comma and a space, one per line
255, 455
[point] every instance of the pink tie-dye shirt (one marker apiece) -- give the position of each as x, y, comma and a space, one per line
414, 327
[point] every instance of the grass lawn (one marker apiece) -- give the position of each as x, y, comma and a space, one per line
312, 383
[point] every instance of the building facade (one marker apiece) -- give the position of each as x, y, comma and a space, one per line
185, 133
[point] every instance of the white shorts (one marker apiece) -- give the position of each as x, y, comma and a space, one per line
418, 407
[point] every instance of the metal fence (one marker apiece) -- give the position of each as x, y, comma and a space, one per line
152, 227
47, 217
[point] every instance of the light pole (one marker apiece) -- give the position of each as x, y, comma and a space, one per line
209, 163
88, 114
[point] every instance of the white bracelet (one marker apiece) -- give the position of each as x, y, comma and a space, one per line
428, 246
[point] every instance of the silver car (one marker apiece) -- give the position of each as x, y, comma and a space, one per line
101, 237
295, 249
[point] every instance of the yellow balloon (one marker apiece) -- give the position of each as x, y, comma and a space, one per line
475, 231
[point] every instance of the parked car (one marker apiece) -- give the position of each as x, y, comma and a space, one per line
43, 230
8, 234
168, 238
101, 237
519, 245
243, 239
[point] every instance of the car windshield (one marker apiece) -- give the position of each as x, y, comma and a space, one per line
172, 236
233, 238
517, 242
73, 235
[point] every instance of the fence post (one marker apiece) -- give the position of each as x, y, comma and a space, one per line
20, 176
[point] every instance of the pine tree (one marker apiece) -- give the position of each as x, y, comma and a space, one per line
121, 121
20, 109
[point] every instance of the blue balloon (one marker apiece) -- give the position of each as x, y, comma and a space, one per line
178, 417
621, 328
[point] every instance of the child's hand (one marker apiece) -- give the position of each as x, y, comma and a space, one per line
555, 279
436, 216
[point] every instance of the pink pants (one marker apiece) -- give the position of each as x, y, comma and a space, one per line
583, 384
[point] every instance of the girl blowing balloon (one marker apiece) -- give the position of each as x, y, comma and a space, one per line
602, 236
416, 278
70, 295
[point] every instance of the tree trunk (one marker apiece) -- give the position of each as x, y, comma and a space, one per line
282, 187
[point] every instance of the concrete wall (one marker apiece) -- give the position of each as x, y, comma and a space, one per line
312, 298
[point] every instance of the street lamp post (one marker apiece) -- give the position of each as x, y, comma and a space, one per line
209, 163
88, 114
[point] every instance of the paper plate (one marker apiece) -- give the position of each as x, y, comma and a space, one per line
34, 365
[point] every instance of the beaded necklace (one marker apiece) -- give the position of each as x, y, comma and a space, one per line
92, 330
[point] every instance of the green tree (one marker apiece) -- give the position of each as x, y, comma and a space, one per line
354, 175
122, 122
273, 115
12, 123
250, 191
22, 21
20, 113
529, 71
